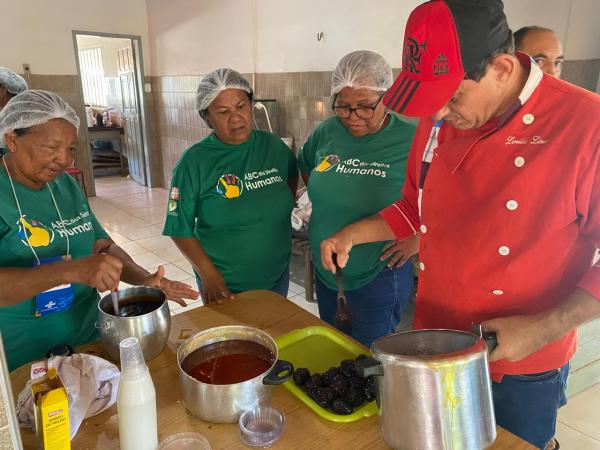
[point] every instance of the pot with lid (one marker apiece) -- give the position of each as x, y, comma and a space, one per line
433, 389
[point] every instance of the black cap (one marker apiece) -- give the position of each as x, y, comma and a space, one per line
482, 28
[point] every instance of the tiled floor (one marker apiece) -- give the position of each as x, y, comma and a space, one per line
134, 216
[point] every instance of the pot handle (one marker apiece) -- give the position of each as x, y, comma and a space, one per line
490, 340
368, 367
279, 374
489, 337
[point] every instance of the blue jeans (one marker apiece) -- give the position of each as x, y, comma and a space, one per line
527, 405
375, 309
283, 284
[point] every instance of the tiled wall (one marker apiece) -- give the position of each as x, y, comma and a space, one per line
178, 124
304, 102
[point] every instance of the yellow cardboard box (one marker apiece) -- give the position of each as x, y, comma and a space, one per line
51, 407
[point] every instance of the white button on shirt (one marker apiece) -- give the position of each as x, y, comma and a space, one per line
423, 229
497, 292
519, 161
421, 266
504, 250
528, 119
511, 205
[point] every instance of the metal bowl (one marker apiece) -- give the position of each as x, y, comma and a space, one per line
152, 328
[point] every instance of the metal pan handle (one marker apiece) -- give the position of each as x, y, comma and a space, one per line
279, 374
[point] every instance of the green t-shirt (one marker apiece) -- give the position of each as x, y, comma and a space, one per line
352, 178
25, 336
235, 200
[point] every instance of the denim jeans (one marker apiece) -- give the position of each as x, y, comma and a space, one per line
283, 284
527, 405
375, 309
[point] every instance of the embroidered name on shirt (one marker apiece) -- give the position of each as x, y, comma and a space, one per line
533, 140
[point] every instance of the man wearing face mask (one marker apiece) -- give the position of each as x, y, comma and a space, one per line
501, 185
543, 45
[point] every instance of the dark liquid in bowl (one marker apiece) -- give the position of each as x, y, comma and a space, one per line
134, 306
228, 362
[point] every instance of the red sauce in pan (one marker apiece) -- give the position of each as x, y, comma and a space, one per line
228, 362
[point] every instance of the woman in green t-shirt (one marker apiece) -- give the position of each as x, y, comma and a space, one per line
354, 165
54, 255
232, 196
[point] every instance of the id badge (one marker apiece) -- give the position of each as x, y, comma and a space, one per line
56, 299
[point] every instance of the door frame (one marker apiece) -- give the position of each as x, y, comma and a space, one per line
136, 44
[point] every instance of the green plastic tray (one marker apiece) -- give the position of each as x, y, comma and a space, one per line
318, 349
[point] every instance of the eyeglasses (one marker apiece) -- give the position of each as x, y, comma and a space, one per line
362, 112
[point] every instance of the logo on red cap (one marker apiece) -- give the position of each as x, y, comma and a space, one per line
413, 53
440, 65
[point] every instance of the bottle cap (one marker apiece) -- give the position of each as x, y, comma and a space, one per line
132, 358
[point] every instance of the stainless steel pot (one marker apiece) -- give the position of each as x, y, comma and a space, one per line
152, 329
433, 390
224, 403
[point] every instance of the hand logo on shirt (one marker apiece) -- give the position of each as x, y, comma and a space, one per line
35, 232
230, 186
327, 162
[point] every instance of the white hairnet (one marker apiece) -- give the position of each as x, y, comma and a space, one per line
362, 69
30, 108
216, 81
13, 82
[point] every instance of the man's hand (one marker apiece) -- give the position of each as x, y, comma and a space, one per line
340, 244
174, 290
399, 252
518, 336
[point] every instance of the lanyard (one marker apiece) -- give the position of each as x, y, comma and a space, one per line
62, 222
430, 147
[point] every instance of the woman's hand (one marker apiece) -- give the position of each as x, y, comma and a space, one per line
174, 290
214, 289
102, 272
399, 252
340, 244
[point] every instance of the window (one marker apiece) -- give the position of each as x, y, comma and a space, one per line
92, 76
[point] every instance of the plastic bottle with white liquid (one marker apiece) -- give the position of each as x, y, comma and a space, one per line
136, 400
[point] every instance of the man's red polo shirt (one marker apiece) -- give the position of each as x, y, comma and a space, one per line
510, 215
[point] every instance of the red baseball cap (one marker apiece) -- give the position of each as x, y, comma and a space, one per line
443, 40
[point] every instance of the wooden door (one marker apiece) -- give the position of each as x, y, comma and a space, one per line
134, 144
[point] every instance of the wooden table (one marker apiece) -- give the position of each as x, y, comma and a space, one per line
303, 428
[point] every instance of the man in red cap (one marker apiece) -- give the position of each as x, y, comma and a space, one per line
502, 187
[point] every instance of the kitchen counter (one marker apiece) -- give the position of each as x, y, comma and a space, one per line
303, 428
